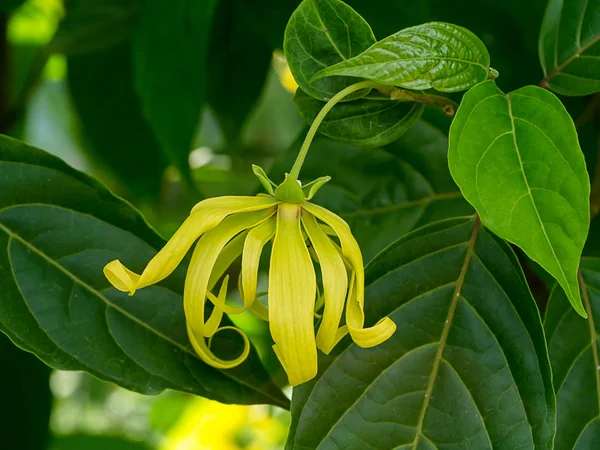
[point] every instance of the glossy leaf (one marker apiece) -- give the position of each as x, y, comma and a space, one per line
573, 344
319, 34
232, 93
101, 86
58, 228
93, 25
452, 376
570, 47
435, 55
383, 193
170, 51
517, 160
367, 122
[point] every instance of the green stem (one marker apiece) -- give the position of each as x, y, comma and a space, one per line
295, 172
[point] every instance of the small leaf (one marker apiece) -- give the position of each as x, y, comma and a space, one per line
451, 376
573, 344
367, 122
58, 228
170, 50
319, 34
436, 55
517, 160
569, 47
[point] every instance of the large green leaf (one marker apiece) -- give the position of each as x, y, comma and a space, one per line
466, 369
517, 160
58, 228
319, 34
170, 52
235, 43
92, 25
383, 193
442, 56
367, 122
101, 86
26, 396
573, 344
570, 47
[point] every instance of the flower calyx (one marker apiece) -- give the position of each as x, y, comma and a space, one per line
291, 190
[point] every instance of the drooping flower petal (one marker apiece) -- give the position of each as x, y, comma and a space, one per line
253, 246
355, 316
292, 291
204, 216
199, 273
335, 284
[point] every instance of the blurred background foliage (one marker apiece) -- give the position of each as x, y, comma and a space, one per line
70, 84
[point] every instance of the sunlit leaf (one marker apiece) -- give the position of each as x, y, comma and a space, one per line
435, 55
517, 160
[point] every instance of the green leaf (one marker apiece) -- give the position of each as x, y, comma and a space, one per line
516, 159
87, 442
573, 344
319, 34
569, 47
367, 122
233, 93
170, 51
466, 369
101, 85
58, 228
383, 193
436, 55
25, 391
92, 25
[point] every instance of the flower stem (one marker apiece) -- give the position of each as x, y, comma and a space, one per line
295, 172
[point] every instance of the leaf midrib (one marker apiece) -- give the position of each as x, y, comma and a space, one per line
568, 61
517, 151
445, 332
95, 292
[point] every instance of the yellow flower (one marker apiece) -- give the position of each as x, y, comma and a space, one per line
227, 227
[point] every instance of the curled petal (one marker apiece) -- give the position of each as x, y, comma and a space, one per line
355, 316
335, 284
292, 291
204, 352
121, 277
199, 274
204, 217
